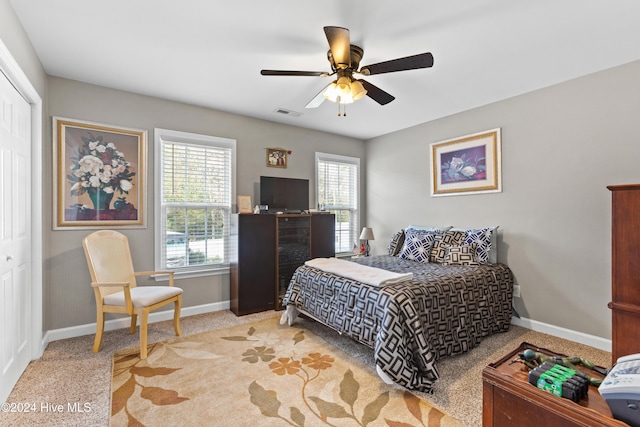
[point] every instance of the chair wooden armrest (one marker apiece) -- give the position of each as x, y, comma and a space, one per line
126, 287
109, 284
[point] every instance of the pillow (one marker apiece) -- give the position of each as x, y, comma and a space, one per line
396, 243
417, 245
443, 241
461, 255
486, 241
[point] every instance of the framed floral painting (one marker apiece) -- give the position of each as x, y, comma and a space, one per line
99, 175
277, 157
467, 165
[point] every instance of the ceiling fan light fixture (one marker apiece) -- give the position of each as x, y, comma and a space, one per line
334, 93
344, 84
357, 90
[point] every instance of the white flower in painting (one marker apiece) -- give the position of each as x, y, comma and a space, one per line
101, 148
108, 190
105, 176
90, 164
94, 181
75, 187
468, 171
125, 185
111, 145
93, 145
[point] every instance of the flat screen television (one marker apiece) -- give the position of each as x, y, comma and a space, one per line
284, 194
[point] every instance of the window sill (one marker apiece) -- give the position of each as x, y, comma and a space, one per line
188, 274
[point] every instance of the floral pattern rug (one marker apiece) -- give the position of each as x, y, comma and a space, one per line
260, 373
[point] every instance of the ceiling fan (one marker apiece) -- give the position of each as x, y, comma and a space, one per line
344, 58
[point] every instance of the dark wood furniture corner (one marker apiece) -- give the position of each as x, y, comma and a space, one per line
252, 266
266, 250
625, 270
509, 400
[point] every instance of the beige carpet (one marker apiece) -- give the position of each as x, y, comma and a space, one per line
68, 371
258, 374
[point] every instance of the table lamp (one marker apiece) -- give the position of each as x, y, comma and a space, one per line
366, 235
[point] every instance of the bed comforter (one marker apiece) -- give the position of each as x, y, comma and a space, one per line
442, 311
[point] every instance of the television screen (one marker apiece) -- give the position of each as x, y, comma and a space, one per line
284, 194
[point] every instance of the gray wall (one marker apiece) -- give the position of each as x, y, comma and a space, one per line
13, 36
68, 297
561, 147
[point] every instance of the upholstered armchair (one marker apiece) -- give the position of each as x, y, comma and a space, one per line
113, 280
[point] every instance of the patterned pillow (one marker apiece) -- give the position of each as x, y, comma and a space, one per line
417, 245
443, 241
461, 255
396, 243
485, 239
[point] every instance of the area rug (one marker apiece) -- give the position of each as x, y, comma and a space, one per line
258, 374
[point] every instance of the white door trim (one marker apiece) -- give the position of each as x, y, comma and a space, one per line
16, 76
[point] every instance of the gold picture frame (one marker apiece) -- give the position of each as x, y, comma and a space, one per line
244, 204
99, 175
276, 158
469, 164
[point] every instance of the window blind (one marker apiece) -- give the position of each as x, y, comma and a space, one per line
196, 180
337, 179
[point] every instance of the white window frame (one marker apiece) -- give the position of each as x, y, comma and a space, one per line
163, 135
356, 210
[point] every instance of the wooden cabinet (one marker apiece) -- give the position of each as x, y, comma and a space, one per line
268, 249
252, 268
509, 400
625, 270
300, 238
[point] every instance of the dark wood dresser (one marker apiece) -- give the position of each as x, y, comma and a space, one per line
509, 400
267, 249
625, 270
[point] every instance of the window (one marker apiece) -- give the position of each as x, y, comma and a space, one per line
338, 191
195, 183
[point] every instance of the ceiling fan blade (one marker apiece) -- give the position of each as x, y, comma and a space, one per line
377, 94
422, 60
293, 73
340, 45
318, 99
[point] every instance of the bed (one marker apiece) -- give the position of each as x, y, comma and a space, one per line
443, 310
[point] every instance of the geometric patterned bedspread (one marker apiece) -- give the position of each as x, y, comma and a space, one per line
443, 311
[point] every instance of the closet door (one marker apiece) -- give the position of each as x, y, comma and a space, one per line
15, 236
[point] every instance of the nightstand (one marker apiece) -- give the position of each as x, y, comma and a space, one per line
509, 400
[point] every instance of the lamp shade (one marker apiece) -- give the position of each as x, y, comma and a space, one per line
367, 234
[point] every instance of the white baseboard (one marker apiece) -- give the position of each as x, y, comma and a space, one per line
580, 337
125, 322
160, 316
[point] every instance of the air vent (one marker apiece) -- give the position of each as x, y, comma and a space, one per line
288, 112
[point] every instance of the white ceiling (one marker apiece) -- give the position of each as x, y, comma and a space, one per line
210, 52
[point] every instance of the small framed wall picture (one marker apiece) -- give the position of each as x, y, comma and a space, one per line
276, 158
244, 204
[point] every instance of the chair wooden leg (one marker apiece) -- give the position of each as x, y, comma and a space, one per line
176, 315
143, 333
134, 320
97, 342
